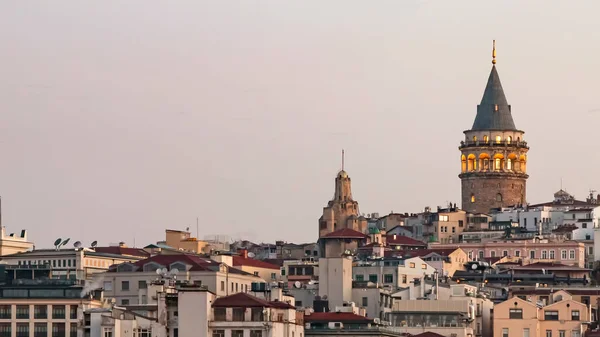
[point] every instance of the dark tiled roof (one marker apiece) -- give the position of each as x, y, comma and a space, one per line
428, 334
138, 252
345, 233
487, 117
243, 300
549, 266
336, 317
403, 240
242, 261
421, 252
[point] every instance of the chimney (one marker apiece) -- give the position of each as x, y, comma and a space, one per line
243, 253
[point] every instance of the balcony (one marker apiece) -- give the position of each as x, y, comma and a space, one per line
503, 143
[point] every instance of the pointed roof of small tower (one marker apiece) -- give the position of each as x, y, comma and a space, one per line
494, 112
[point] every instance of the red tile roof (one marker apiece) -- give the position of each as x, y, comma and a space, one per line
345, 233
420, 252
394, 240
336, 317
242, 261
137, 252
244, 300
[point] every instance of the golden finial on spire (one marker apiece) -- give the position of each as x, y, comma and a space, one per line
494, 53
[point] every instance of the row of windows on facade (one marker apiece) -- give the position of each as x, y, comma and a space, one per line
549, 315
561, 333
498, 163
240, 333
239, 315
53, 263
273, 275
498, 139
387, 278
39, 330
498, 197
139, 332
545, 254
39, 311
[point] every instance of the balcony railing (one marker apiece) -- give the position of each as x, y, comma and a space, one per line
502, 143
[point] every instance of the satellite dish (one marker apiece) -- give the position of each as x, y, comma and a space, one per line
174, 271
57, 242
164, 270
324, 297
77, 244
251, 255
297, 284
94, 244
474, 266
65, 242
158, 271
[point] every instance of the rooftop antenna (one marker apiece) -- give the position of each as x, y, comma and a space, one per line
197, 228
494, 53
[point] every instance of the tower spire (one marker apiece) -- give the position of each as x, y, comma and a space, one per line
342, 159
494, 53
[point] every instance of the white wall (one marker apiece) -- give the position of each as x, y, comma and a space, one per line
335, 280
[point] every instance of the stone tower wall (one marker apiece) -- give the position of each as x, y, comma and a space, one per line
486, 187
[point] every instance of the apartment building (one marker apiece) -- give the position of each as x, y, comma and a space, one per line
392, 272
127, 282
11, 243
517, 317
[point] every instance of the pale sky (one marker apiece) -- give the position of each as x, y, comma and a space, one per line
122, 118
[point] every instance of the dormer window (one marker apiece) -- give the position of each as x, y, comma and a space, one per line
151, 267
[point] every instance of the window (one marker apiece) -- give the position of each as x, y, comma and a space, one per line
561, 333
124, 301
5, 311
551, 315
544, 254
588, 237
5, 330
73, 311
58, 312
373, 278
498, 138
583, 225
298, 304
40, 312
22, 329
359, 277
480, 254
575, 333
22, 312
548, 333
222, 289
58, 330
143, 333
238, 314
515, 314
470, 255
388, 278
472, 198
142, 284
273, 276
40, 330
218, 333
107, 285
504, 253
412, 264
365, 301
493, 253
563, 254
237, 333
552, 257
575, 315
124, 285
498, 197
517, 253
220, 314
572, 254
504, 332
255, 333
453, 229
255, 273
444, 218
404, 279
526, 332
485, 138
532, 254
73, 330
424, 266
257, 315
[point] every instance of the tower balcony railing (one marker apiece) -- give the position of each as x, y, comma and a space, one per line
502, 143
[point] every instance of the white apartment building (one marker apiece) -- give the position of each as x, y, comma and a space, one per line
14, 242
392, 272
127, 282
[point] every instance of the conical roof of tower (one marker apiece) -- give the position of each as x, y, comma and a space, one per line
493, 113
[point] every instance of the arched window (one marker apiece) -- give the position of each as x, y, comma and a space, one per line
463, 161
485, 139
508, 139
498, 197
498, 139
474, 138
472, 197
509, 164
471, 162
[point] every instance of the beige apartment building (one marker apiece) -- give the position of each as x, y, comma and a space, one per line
449, 224
517, 317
